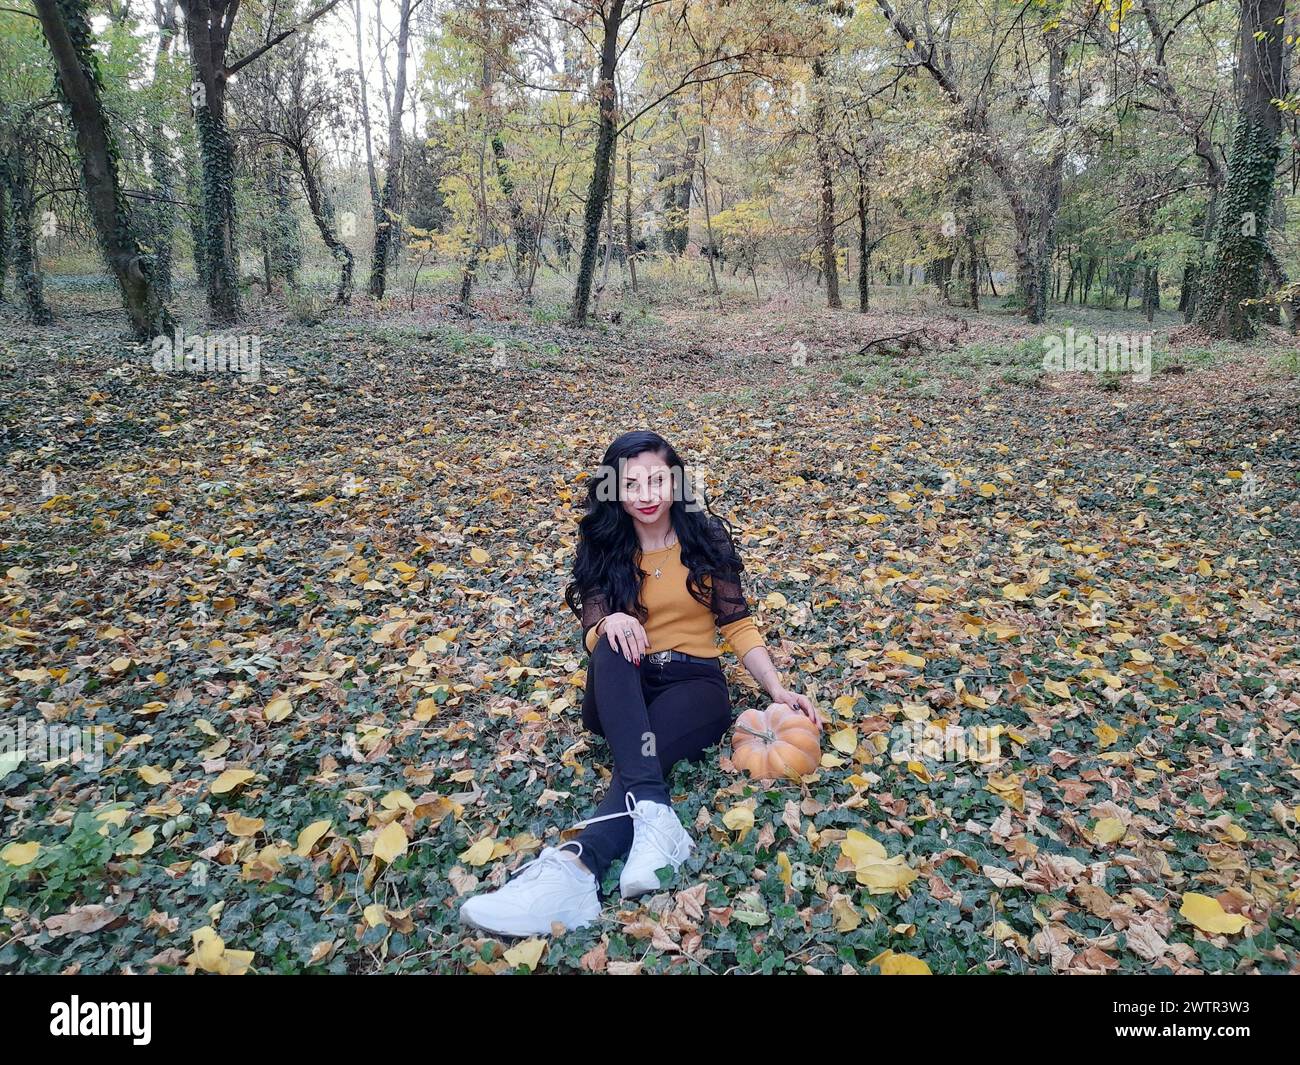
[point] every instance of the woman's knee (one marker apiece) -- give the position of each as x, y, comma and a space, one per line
607, 656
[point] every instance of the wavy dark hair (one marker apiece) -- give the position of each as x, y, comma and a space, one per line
608, 559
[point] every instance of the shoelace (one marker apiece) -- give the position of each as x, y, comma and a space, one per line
675, 849
550, 857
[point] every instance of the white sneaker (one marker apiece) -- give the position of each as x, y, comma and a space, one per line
658, 840
548, 888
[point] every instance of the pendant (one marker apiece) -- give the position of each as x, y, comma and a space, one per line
658, 572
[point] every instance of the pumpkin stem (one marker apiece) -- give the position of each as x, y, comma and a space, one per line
768, 734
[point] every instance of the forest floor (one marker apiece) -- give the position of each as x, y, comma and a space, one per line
313, 625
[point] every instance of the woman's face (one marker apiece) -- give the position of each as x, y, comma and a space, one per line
646, 487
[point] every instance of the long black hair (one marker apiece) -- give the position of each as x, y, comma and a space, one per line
608, 560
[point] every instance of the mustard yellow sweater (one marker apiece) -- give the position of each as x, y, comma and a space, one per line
677, 621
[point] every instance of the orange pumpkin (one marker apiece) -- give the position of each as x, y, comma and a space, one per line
776, 742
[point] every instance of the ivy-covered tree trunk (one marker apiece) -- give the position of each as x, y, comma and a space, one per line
193, 171
16, 174
285, 231
67, 31
1245, 203
597, 189
207, 28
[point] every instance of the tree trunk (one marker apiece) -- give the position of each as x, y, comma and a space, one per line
826, 219
27, 267
161, 215
208, 31
392, 176
628, 239
322, 213
365, 119
5, 234
676, 177
67, 31
864, 249
596, 189
1241, 232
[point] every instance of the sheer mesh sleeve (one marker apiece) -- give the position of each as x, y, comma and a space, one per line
594, 608
732, 615
729, 603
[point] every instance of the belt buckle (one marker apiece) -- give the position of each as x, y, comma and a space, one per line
660, 657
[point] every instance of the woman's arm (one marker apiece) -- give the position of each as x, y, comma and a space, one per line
736, 624
594, 611
759, 664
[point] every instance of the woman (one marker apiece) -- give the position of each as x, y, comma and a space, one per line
655, 578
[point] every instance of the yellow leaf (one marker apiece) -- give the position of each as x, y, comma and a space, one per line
1105, 735
479, 555
137, 843
880, 878
116, 818
786, 873
847, 917
391, 842
238, 824
776, 601
152, 774
844, 705
210, 955
480, 853
892, 964
845, 740
1058, 688
906, 658
1206, 913
278, 708
1109, 830
860, 848
527, 953
230, 780
310, 836
20, 854
739, 819
397, 800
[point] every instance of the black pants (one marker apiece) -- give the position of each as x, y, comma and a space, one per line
652, 717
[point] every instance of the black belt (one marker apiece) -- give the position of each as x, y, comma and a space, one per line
662, 658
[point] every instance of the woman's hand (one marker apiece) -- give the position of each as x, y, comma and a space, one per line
627, 636
798, 702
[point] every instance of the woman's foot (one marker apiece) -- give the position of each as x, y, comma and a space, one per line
658, 840
551, 887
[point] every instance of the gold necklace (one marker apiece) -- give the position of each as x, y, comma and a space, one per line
659, 572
